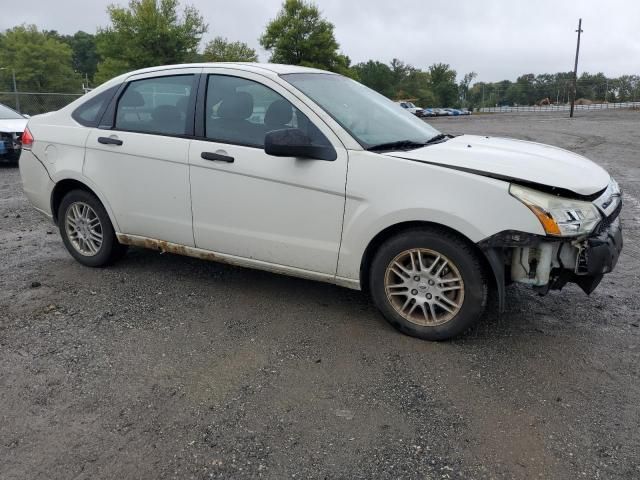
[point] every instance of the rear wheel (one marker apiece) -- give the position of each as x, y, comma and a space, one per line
428, 283
87, 231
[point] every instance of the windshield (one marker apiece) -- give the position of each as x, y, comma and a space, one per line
7, 114
372, 119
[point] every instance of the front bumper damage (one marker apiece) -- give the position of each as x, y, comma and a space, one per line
548, 263
10, 145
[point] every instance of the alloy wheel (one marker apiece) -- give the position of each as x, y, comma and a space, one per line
84, 229
424, 287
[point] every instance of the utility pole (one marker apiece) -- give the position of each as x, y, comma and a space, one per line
15, 90
575, 69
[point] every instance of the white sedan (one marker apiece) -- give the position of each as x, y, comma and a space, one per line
12, 125
308, 173
410, 107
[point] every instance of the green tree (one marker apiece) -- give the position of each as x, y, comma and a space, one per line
398, 80
624, 89
376, 75
544, 87
300, 36
526, 89
591, 86
85, 54
83, 46
501, 90
516, 95
41, 62
415, 86
443, 84
409, 82
148, 33
221, 50
399, 72
479, 94
463, 88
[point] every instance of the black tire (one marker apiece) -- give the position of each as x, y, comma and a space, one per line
472, 294
110, 250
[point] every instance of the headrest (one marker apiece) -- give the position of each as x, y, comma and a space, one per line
237, 106
132, 98
278, 114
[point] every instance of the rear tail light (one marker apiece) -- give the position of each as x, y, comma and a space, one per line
27, 139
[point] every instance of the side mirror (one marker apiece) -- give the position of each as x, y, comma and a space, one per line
292, 142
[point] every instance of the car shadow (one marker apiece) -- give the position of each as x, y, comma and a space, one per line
209, 279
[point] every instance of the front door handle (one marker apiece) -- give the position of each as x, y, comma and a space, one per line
109, 141
216, 157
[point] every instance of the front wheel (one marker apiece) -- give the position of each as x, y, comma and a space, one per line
428, 283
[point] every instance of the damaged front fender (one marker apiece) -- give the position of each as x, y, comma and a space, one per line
547, 263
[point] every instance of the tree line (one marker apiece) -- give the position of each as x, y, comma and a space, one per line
158, 32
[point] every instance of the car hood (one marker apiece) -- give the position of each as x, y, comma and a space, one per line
513, 160
10, 126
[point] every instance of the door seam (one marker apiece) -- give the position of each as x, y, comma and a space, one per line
344, 213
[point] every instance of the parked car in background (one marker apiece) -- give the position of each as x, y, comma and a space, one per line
439, 112
12, 126
427, 112
333, 183
410, 107
453, 111
465, 111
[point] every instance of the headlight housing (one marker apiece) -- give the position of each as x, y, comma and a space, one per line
560, 217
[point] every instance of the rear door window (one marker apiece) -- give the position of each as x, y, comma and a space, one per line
157, 105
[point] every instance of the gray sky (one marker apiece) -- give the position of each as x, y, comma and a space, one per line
498, 39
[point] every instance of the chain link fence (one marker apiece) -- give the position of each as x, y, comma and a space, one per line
33, 103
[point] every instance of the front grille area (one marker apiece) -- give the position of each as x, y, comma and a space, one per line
607, 221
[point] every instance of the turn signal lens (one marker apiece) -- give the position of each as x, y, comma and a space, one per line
549, 224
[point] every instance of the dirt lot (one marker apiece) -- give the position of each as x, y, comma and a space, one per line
170, 367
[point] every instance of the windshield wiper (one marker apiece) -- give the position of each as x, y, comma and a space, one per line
399, 145
407, 144
438, 138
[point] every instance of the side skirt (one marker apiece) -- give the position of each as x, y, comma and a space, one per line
164, 246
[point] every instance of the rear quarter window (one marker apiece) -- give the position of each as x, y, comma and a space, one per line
90, 112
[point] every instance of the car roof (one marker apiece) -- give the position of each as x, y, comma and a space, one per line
264, 68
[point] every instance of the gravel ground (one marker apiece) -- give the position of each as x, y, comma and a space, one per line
170, 367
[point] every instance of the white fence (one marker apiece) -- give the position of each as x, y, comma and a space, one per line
559, 108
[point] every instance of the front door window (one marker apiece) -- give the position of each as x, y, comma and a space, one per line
241, 112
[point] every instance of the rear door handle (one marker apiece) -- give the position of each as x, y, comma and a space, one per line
109, 141
216, 157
